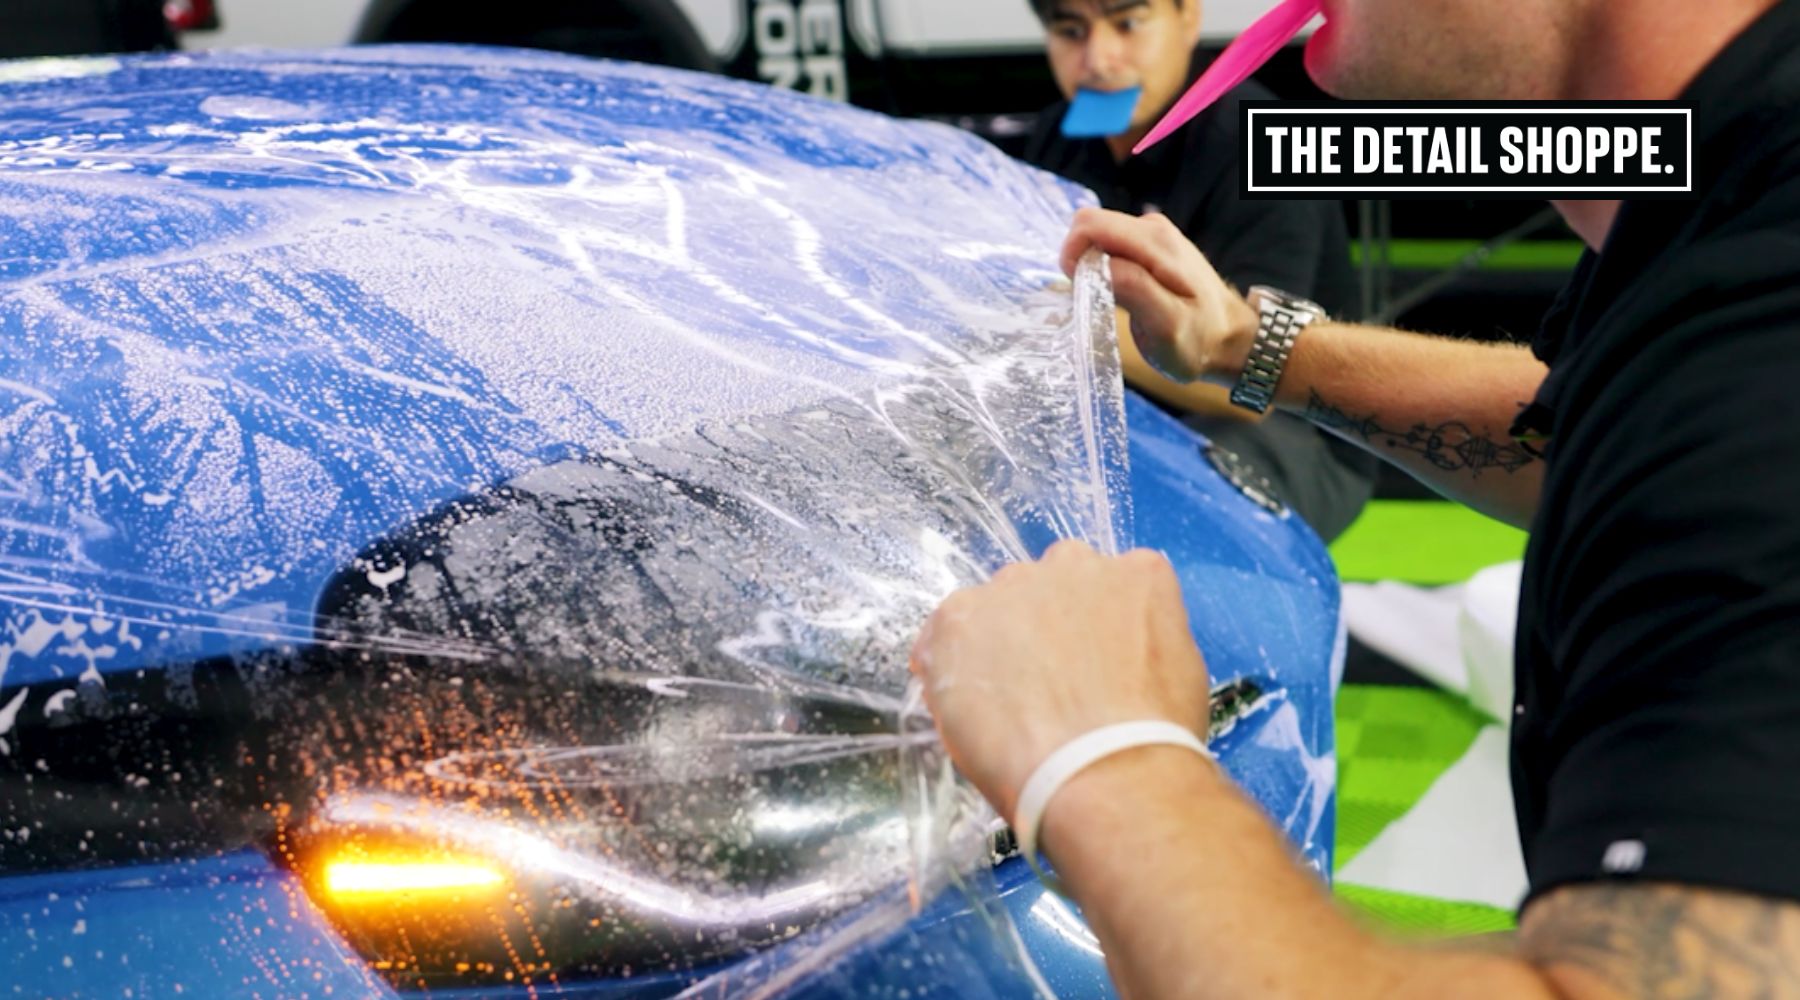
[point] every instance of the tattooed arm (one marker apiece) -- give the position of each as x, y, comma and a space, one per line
1438, 408
1663, 941
1246, 922
1194, 895
1191, 890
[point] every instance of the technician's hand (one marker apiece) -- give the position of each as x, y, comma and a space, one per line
1186, 321
1047, 651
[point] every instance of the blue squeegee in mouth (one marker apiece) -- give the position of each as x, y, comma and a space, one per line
1095, 114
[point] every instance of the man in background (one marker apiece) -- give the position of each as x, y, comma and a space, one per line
1099, 52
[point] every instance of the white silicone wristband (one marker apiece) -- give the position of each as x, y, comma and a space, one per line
1069, 759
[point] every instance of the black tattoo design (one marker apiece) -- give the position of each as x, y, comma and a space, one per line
1656, 941
1452, 446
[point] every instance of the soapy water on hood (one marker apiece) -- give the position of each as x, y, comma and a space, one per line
538, 460
529, 457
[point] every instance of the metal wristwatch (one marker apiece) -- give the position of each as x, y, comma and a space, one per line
1280, 318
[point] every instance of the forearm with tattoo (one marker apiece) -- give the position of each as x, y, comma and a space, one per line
1451, 446
1667, 941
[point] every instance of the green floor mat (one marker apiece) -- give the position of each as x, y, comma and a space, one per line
1393, 742
1426, 542
1421, 916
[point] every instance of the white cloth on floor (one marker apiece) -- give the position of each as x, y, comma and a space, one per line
1459, 841
1459, 637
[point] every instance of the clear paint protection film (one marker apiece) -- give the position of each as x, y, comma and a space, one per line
464, 515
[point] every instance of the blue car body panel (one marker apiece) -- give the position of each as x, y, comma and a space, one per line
168, 203
214, 925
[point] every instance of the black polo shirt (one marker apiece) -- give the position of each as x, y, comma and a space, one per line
1658, 720
1297, 246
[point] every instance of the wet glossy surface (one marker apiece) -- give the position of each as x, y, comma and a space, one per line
410, 453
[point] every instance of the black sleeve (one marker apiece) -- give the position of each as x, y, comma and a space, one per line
1672, 589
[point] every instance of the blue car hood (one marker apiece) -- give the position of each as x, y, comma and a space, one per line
549, 460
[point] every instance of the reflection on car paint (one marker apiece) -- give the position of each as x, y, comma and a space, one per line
464, 515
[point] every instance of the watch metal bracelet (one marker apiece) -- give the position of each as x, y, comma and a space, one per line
1280, 318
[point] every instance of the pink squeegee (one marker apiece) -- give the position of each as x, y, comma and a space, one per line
1257, 45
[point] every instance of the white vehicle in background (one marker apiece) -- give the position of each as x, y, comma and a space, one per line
977, 62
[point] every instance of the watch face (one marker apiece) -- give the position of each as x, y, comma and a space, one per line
1298, 304
1268, 297
1309, 306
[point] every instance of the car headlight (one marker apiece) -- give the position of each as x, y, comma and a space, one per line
605, 860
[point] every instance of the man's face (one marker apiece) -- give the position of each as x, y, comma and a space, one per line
1116, 44
1443, 49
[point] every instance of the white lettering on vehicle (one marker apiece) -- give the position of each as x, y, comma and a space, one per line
798, 42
